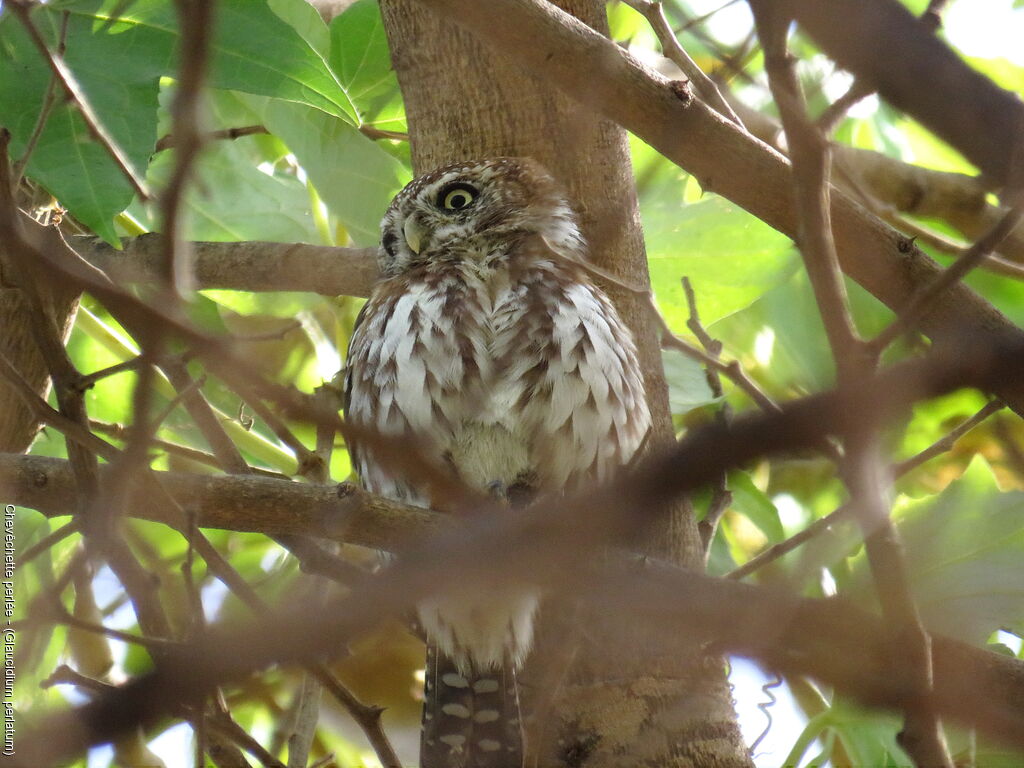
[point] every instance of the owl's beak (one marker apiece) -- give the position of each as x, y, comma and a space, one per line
413, 233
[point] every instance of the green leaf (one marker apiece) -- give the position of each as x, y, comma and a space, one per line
753, 503
796, 355
730, 257
354, 176
306, 20
965, 557
66, 161
362, 61
234, 201
254, 49
868, 737
687, 383
1003, 72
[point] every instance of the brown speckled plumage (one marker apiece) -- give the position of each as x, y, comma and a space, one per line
489, 344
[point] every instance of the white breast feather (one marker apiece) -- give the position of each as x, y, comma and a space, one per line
575, 423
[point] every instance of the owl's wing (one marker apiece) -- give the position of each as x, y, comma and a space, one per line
405, 375
573, 376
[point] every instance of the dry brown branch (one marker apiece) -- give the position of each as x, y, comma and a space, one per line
312, 559
839, 644
195, 18
88, 381
922, 735
228, 134
367, 717
917, 232
896, 187
48, 541
99, 521
859, 90
732, 369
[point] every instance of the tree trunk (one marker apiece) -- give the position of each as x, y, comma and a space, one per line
18, 426
615, 705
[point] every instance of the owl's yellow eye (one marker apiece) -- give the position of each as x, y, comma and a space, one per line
456, 196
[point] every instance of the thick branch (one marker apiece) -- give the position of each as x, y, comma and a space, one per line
248, 266
232, 502
882, 43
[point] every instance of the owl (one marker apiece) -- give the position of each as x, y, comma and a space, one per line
487, 341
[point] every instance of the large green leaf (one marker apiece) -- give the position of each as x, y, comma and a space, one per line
362, 61
233, 201
869, 738
782, 331
118, 66
354, 176
731, 257
67, 161
751, 502
253, 50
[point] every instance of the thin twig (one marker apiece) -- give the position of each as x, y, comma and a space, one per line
170, 140
943, 444
809, 150
655, 14
224, 450
88, 381
120, 432
65, 675
947, 441
366, 716
721, 496
308, 461
932, 16
776, 551
49, 100
222, 722
809, 153
58, 615
991, 262
99, 517
48, 541
377, 133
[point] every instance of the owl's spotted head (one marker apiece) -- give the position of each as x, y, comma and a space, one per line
473, 211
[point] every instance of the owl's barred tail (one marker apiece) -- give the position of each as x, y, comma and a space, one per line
469, 720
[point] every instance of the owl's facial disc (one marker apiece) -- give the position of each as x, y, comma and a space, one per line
475, 212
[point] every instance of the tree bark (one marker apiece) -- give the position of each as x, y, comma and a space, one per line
18, 426
616, 706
